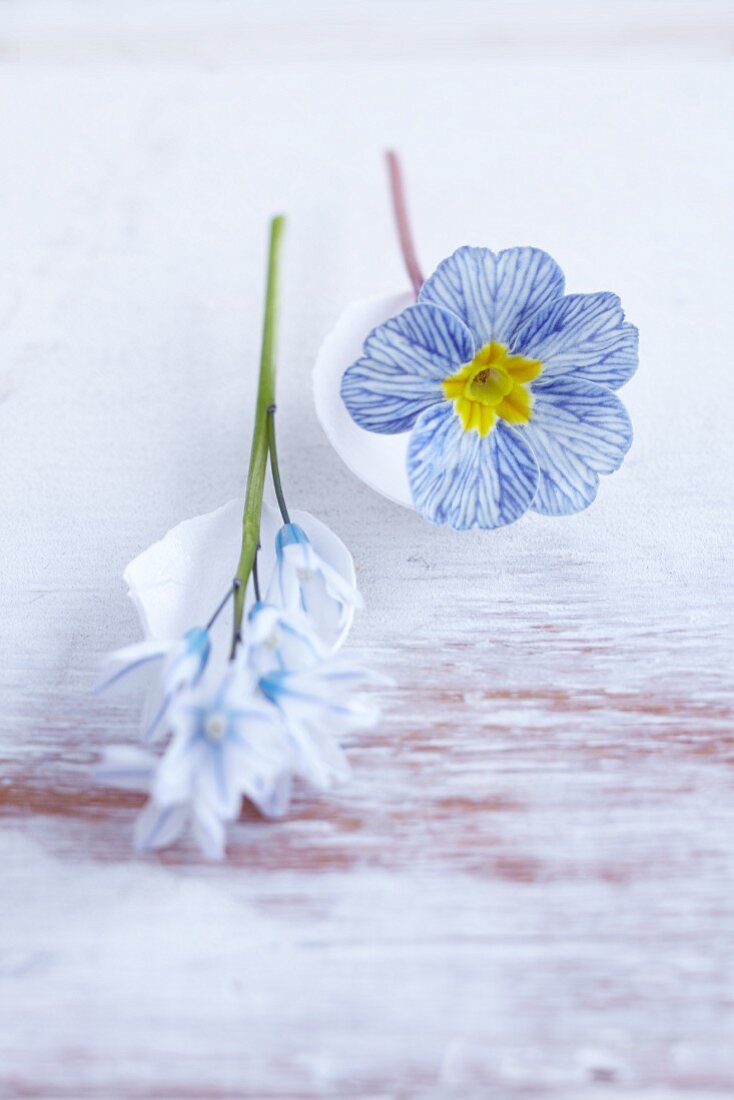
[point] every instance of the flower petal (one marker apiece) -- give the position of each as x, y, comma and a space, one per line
258, 745
333, 756
326, 696
175, 776
183, 669
306, 585
379, 460
155, 709
158, 826
125, 767
208, 829
404, 362
494, 293
466, 480
216, 781
578, 430
132, 658
316, 758
269, 792
276, 638
278, 799
583, 336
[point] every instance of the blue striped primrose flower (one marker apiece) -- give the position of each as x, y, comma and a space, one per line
490, 395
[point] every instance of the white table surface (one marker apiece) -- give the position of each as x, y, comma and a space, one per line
527, 888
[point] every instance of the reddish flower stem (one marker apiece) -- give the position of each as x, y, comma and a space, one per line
407, 247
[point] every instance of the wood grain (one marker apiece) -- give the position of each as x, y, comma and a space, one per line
526, 889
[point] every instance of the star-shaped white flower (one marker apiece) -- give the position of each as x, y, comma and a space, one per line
226, 746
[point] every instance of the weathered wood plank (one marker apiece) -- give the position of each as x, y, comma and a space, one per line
527, 888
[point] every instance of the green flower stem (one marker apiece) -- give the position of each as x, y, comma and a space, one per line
260, 436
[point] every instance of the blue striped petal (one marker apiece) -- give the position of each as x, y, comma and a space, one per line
583, 335
404, 362
578, 430
494, 293
467, 480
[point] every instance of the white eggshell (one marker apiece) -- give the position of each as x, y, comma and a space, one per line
178, 582
379, 460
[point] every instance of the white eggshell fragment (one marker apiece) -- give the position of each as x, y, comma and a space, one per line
178, 582
379, 460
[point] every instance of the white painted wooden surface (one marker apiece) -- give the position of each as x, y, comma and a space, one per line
527, 889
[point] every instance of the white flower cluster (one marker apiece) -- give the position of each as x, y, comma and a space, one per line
276, 713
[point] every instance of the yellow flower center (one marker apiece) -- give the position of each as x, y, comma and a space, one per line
492, 385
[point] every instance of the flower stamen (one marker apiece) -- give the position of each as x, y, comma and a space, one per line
492, 385
215, 725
